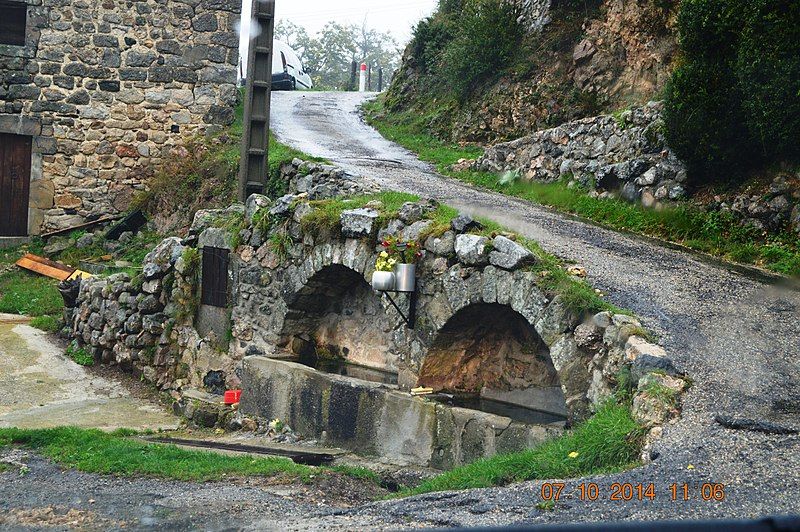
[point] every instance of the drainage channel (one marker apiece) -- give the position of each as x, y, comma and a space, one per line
300, 457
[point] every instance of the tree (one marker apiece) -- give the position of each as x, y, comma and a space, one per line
327, 57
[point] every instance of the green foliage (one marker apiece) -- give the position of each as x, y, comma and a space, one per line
79, 355
489, 35
608, 442
280, 243
734, 102
431, 37
94, 451
23, 292
46, 323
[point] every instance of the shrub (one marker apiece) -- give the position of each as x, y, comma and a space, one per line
488, 38
768, 70
431, 36
734, 102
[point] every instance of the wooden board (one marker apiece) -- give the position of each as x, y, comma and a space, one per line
81, 226
45, 267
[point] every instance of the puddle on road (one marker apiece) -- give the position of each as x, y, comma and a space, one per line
40, 387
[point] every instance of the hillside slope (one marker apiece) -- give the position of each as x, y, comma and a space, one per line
571, 59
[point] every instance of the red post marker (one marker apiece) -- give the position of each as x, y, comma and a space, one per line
362, 81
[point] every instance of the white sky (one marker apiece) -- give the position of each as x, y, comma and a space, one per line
395, 16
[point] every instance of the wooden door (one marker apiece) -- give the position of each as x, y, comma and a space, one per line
15, 182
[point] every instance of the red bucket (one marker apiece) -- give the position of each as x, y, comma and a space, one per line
232, 396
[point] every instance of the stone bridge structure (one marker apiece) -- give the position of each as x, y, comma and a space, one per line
298, 292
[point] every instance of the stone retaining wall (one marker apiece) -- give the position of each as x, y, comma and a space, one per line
622, 155
108, 89
483, 326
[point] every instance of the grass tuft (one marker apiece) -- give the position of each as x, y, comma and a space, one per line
115, 453
79, 355
608, 442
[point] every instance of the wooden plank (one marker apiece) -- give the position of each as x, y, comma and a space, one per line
43, 269
48, 262
81, 226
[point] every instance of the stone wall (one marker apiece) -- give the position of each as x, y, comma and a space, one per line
622, 155
108, 89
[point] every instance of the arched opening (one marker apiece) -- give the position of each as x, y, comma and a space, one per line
489, 351
336, 316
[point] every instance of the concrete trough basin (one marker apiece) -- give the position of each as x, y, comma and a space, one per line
378, 420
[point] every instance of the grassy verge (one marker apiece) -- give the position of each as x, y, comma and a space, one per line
552, 276
94, 451
608, 442
26, 293
718, 234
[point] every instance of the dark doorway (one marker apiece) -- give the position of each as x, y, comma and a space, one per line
15, 182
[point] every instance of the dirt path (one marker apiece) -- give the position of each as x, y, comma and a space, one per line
40, 388
737, 336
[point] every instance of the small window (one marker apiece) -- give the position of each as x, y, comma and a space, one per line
215, 277
13, 19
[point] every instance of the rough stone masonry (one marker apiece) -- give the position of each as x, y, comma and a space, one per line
107, 89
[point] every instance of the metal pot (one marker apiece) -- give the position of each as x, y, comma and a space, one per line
405, 277
383, 281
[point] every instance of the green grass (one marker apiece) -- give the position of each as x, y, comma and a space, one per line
23, 292
718, 234
46, 323
608, 442
79, 355
116, 453
94, 451
576, 294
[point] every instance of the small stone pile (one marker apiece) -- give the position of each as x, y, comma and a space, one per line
776, 209
323, 181
625, 155
131, 321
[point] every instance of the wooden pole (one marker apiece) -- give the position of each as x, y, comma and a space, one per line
254, 163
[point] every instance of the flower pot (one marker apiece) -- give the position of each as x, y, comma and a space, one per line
383, 281
405, 277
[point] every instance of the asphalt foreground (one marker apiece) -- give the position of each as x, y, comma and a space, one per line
736, 335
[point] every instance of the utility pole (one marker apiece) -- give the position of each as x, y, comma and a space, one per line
254, 162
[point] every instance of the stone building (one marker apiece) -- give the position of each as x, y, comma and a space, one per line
95, 93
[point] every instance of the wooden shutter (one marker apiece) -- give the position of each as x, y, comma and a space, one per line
13, 19
215, 277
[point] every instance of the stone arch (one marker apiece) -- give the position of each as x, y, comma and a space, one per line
493, 351
336, 313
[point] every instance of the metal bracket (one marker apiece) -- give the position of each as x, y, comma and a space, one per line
412, 308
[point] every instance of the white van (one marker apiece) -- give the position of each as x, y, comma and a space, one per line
287, 70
